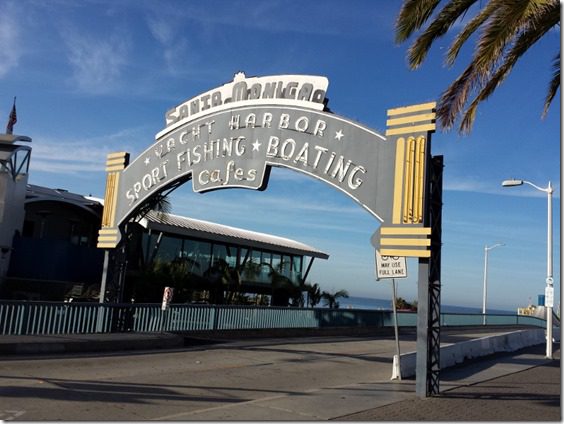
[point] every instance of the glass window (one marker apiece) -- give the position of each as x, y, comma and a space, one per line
266, 258
169, 248
244, 256
198, 254
297, 263
256, 256
225, 253
286, 266
231, 256
219, 253
296, 273
276, 262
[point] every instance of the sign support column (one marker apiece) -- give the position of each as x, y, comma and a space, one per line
429, 293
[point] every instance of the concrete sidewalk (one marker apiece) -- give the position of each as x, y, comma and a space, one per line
523, 390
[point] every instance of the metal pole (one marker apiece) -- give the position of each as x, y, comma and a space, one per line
397, 364
102, 295
427, 378
549, 290
485, 285
549, 280
486, 249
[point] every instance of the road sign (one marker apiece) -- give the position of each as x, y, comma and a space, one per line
390, 266
167, 297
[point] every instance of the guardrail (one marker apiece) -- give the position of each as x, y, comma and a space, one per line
44, 318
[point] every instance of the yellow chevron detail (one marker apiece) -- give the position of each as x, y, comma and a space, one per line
406, 252
405, 242
415, 231
411, 119
106, 245
108, 231
107, 238
411, 129
411, 109
116, 155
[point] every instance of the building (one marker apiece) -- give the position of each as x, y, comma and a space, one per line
217, 263
54, 257
14, 169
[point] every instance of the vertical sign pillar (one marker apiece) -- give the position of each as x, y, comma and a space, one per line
108, 235
429, 293
415, 231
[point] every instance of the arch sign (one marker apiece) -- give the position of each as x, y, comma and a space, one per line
231, 136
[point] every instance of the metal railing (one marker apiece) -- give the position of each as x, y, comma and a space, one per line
44, 318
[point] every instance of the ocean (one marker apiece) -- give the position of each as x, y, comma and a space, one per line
354, 302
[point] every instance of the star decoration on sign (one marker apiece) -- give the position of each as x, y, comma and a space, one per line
256, 145
339, 134
147, 160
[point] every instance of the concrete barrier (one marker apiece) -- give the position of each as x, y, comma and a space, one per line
457, 353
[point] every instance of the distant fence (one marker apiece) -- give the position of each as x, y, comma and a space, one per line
43, 318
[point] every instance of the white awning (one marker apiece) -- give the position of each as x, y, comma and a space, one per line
178, 225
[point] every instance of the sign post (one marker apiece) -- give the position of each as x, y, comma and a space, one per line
392, 267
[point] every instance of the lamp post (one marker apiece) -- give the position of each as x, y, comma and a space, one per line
549, 291
486, 250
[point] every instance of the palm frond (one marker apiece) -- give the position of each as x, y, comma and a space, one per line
454, 98
469, 29
442, 23
504, 30
413, 14
509, 19
553, 86
539, 26
158, 203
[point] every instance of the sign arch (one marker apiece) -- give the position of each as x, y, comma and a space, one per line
230, 137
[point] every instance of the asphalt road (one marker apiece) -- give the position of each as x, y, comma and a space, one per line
276, 379
178, 384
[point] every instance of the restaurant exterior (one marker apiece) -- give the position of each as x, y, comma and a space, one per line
54, 257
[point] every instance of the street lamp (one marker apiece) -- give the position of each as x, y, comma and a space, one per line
549, 291
486, 250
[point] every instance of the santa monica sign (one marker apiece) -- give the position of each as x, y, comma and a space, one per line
231, 136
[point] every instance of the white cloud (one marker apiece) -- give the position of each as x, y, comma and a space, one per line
88, 155
10, 48
97, 63
471, 185
68, 157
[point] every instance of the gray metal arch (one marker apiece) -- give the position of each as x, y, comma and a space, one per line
235, 148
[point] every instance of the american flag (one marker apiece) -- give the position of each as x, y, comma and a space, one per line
12, 119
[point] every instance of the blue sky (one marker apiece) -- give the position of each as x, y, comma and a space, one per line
93, 77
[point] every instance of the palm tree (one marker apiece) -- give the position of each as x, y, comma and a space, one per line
402, 304
158, 203
331, 298
313, 294
508, 28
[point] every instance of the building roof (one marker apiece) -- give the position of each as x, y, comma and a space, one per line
174, 224
180, 225
36, 193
